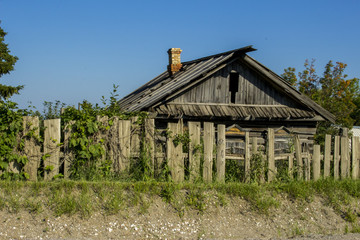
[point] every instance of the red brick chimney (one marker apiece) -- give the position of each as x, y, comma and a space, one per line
174, 60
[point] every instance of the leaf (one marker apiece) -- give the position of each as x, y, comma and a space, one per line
4, 165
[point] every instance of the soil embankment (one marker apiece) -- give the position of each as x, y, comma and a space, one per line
154, 218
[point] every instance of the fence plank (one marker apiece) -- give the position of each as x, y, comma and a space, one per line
270, 155
135, 137
316, 163
344, 145
247, 156
208, 151
150, 141
254, 146
125, 148
291, 166
220, 153
327, 155
174, 153
103, 134
68, 156
298, 156
194, 149
31, 147
307, 159
52, 147
355, 160
113, 144
336, 157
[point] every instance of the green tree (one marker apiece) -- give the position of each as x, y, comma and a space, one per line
333, 90
290, 76
7, 62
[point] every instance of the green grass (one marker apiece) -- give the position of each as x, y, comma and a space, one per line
65, 197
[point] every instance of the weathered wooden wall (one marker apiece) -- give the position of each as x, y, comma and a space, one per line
252, 89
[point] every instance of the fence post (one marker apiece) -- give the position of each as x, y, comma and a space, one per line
298, 156
291, 165
174, 153
336, 157
247, 156
31, 148
220, 157
194, 151
355, 160
327, 153
270, 154
208, 151
316, 162
51, 147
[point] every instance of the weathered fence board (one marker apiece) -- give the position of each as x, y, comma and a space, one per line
102, 135
135, 137
124, 139
150, 141
194, 149
208, 151
254, 146
220, 153
247, 156
51, 147
299, 160
174, 152
355, 157
307, 160
327, 155
336, 157
316, 163
68, 155
270, 154
291, 165
344, 158
31, 147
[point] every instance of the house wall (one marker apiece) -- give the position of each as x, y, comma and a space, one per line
252, 89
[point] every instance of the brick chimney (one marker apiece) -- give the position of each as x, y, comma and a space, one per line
174, 60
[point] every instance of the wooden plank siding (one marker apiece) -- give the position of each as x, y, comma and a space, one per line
252, 89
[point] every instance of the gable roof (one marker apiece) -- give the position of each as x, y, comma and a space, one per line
164, 86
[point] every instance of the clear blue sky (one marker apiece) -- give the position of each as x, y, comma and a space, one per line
71, 50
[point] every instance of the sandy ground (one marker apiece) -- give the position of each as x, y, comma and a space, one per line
235, 220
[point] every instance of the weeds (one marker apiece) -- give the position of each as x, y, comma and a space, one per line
83, 198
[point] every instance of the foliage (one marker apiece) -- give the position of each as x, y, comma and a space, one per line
52, 110
7, 62
11, 142
87, 144
332, 90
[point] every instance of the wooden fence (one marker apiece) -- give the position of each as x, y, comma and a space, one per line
207, 151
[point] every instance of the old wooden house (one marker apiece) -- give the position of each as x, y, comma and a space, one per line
230, 88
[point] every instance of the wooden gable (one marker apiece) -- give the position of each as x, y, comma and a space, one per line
252, 89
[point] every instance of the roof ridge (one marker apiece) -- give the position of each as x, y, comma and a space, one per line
243, 49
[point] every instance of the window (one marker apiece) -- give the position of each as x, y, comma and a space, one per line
234, 85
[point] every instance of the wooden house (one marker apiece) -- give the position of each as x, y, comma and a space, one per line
230, 88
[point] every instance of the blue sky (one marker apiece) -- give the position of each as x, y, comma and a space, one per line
71, 50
